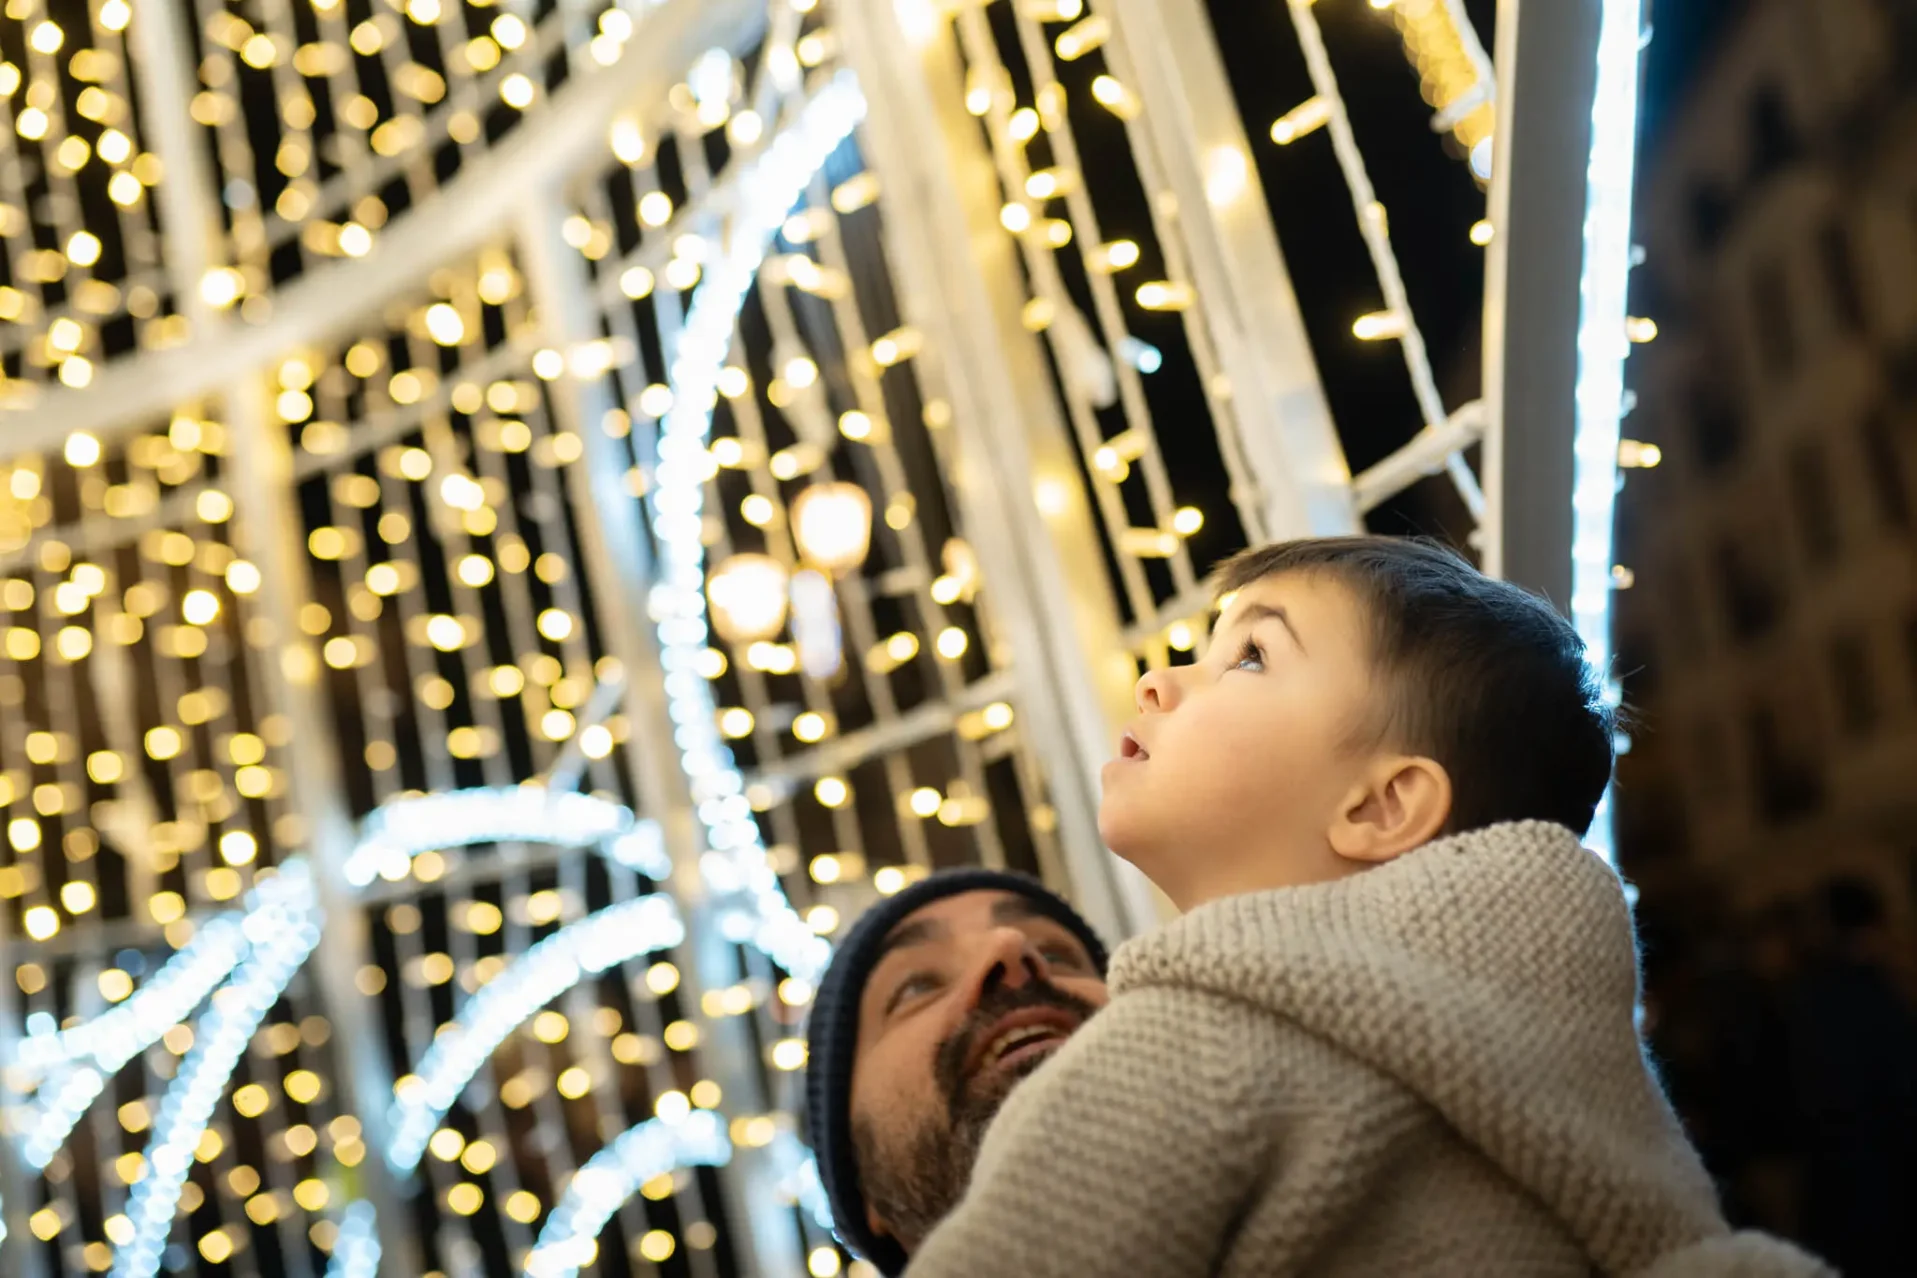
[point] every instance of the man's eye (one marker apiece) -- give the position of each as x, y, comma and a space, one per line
911, 987
1061, 956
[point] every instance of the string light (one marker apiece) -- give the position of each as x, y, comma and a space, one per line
282, 927
76, 1062
403, 829
653, 1148
754, 907
1307, 117
584, 948
1602, 346
356, 1246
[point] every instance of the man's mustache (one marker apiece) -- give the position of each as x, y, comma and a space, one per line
956, 1050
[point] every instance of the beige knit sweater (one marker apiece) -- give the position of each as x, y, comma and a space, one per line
1430, 1068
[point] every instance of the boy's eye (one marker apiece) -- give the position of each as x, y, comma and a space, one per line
1250, 657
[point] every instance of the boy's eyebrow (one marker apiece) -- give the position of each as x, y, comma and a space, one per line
1253, 613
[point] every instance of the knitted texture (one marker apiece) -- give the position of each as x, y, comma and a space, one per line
1430, 1067
832, 1035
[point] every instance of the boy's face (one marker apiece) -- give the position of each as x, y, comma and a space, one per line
1236, 767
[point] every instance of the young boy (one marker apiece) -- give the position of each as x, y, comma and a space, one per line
1392, 1033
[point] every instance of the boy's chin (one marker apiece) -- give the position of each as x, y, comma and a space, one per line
1123, 837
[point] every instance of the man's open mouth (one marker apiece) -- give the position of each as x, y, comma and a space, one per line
1019, 1037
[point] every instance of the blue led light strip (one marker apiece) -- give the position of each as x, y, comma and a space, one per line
356, 1248
613, 1175
544, 972
75, 1064
1602, 346
391, 836
282, 928
754, 906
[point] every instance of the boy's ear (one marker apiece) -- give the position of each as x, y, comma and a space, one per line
1402, 802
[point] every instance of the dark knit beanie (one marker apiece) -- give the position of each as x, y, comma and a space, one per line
832, 1036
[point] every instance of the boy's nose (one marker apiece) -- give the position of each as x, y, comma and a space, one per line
1157, 692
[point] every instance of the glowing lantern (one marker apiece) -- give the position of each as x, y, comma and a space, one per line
833, 525
747, 594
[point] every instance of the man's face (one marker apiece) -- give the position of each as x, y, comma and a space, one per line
1237, 765
971, 994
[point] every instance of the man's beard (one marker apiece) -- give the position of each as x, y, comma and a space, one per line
913, 1179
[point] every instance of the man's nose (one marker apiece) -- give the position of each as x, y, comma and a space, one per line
1009, 959
1157, 692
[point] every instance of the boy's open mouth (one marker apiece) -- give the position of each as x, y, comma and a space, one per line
1129, 748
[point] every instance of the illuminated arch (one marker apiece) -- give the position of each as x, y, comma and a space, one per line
753, 906
613, 1175
73, 1065
392, 835
281, 930
534, 979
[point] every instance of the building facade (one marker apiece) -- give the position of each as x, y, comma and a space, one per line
1769, 643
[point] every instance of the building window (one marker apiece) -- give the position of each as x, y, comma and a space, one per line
1636, 668
1710, 213
1840, 277
1716, 434
1857, 708
1710, 760
1816, 508
1773, 141
1889, 480
1771, 310
1787, 786
1678, 606
1910, 645
1750, 594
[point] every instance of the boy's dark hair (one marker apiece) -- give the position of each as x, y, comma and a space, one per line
1481, 675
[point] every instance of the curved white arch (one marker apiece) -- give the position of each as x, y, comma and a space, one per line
754, 908
544, 972
281, 930
391, 836
74, 1064
613, 1175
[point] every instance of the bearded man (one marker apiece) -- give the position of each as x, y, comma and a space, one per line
938, 1002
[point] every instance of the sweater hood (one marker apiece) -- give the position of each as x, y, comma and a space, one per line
1493, 974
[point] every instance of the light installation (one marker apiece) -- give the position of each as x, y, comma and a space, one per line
1603, 344
263, 950
356, 1249
652, 1148
736, 868
282, 930
534, 979
75, 1064
397, 832
179, 456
